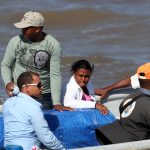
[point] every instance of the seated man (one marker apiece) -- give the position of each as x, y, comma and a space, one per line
131, 81
134, 123
24, 123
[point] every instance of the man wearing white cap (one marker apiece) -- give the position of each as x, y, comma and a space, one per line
134, 122
37, 51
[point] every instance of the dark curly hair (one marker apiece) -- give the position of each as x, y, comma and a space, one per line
82, 64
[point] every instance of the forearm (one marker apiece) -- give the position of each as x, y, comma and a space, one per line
44, 133
8, 61
50, 141
6, 73
120, 84
56, 91
55, 75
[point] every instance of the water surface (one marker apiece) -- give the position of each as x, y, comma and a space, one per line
113, 34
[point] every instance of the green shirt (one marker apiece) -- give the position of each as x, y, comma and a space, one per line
42, 57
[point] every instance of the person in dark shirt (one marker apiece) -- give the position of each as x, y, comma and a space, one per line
134, 122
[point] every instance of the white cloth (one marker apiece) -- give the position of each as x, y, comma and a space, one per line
135, 82
74, 93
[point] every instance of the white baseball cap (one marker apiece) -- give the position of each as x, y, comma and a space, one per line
30, 18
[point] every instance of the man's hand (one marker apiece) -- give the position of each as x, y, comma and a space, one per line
10, 88
103, 109
103, 92
61, 108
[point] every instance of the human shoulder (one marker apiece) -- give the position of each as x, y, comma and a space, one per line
15, 39
72, 81
51, 39
72, 84
53, 44
27, 101
9, 100
130, 97
13, 43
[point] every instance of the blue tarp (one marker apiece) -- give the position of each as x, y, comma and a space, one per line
76, 129
1, 131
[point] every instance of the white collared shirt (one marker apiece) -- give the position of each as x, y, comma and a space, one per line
74, 93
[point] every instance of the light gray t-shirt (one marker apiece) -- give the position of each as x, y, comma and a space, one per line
42, 57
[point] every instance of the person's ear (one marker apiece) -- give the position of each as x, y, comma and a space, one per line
27, 89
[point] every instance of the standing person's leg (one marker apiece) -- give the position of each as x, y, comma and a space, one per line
46, 101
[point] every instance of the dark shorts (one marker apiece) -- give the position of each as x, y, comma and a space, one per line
46, 101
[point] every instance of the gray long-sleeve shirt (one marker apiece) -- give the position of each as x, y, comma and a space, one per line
42, 57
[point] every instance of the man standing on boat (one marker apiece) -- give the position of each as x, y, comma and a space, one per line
134, 122
37, 51
24, 122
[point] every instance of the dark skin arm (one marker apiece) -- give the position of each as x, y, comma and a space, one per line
103, 109
103, 92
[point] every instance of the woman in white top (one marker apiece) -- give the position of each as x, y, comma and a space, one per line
79, 91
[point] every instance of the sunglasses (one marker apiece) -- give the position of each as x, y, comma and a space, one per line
38, 85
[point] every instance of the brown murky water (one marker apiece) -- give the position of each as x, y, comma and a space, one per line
114, 35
